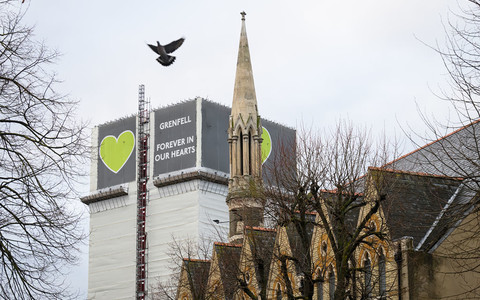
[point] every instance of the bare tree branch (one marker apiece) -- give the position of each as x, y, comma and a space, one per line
41, 149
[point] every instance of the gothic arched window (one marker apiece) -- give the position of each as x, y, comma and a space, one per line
241, 153
324, 248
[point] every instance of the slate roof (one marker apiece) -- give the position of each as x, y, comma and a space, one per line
447, 220
261, 241
197, 270
455, 154
296, 241
351, 217
413, 201
228, 256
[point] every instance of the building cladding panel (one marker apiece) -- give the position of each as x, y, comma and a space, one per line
112, 137
282, 140
214, 136
175, 140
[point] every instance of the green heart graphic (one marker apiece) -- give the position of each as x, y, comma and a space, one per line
115, 152
266, 145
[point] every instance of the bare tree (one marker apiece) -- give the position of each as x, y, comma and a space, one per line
324, 175
242, 270
190, 259
453, 149
41, 150
456, 155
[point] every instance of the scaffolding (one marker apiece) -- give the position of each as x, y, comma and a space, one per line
142, 192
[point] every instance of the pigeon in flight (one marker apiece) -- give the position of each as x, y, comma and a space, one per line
164, 59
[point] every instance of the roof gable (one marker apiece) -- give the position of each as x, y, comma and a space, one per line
227, 259
260, 242
412, 201
195, 276
295, 239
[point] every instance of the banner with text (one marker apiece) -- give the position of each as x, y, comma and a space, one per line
175, 138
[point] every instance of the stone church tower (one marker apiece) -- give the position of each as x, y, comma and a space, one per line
244, 138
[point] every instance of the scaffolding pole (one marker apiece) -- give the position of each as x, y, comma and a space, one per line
142, 193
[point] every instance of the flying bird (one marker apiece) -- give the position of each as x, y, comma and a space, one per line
164, 59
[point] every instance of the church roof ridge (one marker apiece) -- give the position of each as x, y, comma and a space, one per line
196, 260
433, 142
415, 173
260, 228
227, 244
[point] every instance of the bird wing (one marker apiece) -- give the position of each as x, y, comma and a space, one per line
154, 48
173, 45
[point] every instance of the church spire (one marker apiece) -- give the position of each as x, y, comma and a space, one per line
244, 97
244, 138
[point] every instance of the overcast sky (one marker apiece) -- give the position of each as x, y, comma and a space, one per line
313, 61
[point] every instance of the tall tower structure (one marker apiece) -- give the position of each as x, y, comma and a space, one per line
244, 202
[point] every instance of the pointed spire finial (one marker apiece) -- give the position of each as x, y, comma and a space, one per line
244, 98
243, 13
